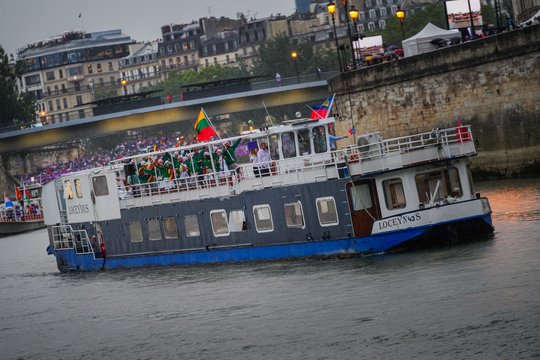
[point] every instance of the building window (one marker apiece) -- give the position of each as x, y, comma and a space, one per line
394, 194
56, 90
81, 114
65, 103
382, 24
372, 14
111, 67
263, 218
170, 228
294, 215
218, 218
89, 68
378, 2
49, 75
58, 106
361, 197
237, 221
51, 108
326, 211
100, 185
135, 231
383, 12
60, 74
98, 67
368, 3
393, 9
32, 80
64, 90
361, 16
79, 100
371, 26
191, 224
154, 230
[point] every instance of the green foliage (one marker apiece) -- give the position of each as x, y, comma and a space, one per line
275, 56
15, 109
100, 94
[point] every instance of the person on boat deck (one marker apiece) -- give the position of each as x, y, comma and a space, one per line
255, 161
229, 153
222, 168
333, 138
167, 174
264, 160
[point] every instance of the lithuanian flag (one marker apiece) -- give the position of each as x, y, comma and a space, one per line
203, 127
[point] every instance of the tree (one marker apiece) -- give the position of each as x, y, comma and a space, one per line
15, 109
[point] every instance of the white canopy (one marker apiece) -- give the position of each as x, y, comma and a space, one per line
421, 42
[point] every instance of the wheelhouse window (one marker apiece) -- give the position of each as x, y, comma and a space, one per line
294, 215
304, 144
100, 185
273, 143
154, 230
68, 191
220, 227
361, 197
191, 224
326, 211
170, 228
78, 189
263, 218
237, 221
438, 185
394, 194
319, 139
135, 231
288, 144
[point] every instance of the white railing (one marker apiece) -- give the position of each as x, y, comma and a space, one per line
379, 156
64, 238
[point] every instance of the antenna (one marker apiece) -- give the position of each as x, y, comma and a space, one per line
209, 9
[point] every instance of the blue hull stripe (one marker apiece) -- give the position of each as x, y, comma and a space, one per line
370, 244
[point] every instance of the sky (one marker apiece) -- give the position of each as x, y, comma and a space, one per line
25, 21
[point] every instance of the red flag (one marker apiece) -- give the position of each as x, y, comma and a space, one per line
204, 129
18, 193
321, 111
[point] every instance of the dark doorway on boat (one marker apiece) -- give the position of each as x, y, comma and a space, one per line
364, 206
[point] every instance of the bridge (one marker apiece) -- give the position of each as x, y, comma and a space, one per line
298, 90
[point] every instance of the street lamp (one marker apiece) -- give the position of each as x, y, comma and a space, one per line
332, 9
294, 56
124, 88
344, 3
400, 15
353, 13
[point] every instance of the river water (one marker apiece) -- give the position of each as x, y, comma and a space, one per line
478, 300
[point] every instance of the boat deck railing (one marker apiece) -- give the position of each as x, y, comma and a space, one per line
351, 161
66, 238
13, 216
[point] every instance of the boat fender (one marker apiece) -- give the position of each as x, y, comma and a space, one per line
49, 250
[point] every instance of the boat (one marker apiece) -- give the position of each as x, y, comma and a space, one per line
374, 197
22, 215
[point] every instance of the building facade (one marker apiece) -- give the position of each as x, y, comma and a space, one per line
140, 68
66, 73
179, 49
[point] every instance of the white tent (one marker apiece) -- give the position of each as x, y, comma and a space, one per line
422, 42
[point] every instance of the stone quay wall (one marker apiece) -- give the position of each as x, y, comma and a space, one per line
493, 83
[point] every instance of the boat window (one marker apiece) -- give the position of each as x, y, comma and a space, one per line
237, 221
294, 215
78, 189
326, 211
154, 230
289, 145
361, 197
438, 185
135, 231
68, 191
273, 142
100, 185
171, 230
220, 227
394, 194
263, 218
191, 223
304, 144
319, 139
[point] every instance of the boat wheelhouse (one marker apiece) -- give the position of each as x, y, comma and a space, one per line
377, 196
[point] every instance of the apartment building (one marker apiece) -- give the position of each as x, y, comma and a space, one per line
179, 49
140, 68
65, 73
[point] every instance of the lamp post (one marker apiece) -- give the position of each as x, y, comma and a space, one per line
353, 13
346, 8
294, 56
331, 9
400, 15
124, 88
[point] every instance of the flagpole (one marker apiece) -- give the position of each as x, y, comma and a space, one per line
210, 149
315, 111
331, 103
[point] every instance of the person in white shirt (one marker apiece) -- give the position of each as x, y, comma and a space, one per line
264, 160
